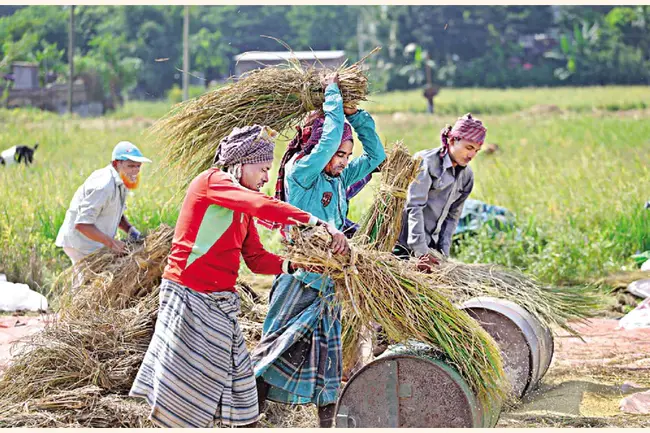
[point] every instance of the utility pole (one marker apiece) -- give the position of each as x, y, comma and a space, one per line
186, 54
71, 58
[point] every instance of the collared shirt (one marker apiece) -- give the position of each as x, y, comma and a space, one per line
101, 201
434, 203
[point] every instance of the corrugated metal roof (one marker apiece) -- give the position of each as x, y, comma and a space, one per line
262, 56
25, 64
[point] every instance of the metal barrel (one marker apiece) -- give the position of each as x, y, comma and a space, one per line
411, 386
526, 344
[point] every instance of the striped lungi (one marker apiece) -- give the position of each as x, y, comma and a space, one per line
197, 371
300, 351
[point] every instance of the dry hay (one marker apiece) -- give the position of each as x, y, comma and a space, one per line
279, 415
564, 421
621, 280
103, 348
275, 96
253, 312
383, 289
105, 279
380, 226
553, 306
88, 406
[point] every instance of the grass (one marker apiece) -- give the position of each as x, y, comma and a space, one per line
500, 101
576, 180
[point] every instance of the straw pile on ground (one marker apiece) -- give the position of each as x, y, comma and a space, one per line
105, 279
383, 289
78, 371
48, 383
275, 96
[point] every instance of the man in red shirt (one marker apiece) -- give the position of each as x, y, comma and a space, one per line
197, 371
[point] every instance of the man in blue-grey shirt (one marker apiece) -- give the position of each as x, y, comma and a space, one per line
435, 199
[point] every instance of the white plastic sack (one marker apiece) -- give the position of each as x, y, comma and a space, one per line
16, 296
646, 266
640, 288
637, 318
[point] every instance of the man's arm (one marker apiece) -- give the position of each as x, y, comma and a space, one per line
418, 194
94, 234
222, 191
88, 211
306, 170
451, 221
258, 260
125, 225
373, 151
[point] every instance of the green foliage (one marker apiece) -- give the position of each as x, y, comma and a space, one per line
466, 46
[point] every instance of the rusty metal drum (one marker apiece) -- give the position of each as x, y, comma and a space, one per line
526, 344
408, 387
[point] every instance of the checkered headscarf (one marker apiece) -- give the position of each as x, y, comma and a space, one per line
467, 128
247, 145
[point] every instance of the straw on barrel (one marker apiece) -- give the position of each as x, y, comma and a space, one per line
383, 289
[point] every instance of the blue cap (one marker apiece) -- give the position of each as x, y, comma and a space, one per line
127, 150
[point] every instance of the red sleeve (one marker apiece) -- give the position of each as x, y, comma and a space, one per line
256, 257
222, 191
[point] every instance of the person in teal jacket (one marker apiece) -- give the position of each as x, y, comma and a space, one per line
299, 359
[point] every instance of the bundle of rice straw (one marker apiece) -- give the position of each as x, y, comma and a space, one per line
381, 225
275, 96
391, 292
105, 279
379, 229
553, 306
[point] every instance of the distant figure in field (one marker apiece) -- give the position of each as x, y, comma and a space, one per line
18, 154
429, 93
97, 208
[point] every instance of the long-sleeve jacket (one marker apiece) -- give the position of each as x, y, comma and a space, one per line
434, 203
215, 228
307, 184
310, 188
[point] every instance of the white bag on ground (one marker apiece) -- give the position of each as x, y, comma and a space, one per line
17, 297
637, 318
640, 288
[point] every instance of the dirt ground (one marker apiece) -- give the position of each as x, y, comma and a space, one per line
583, 388
588, 380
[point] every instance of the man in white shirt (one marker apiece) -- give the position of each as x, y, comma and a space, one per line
97, 208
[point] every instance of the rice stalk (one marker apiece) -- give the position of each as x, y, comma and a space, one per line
383, 289
379, 230
102, 348
275, 96
105, 279
380, 226
554, 306
88, 406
